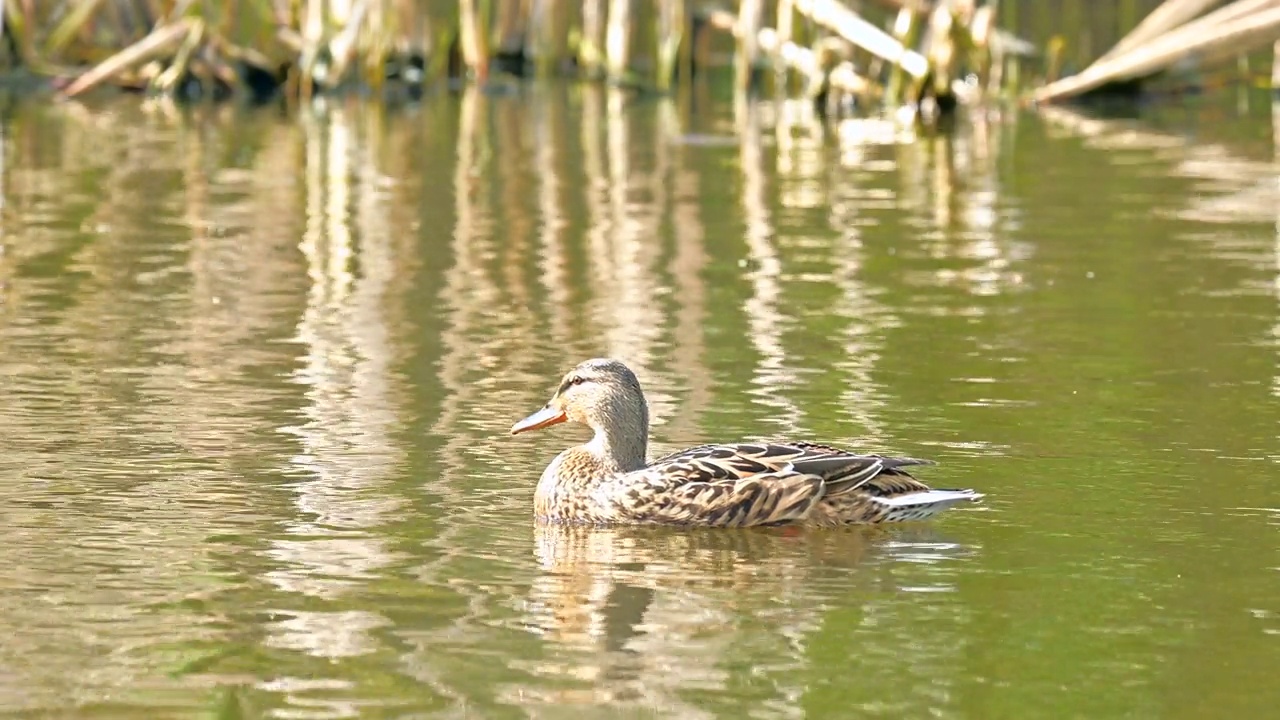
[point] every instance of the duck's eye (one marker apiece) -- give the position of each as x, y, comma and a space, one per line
577, 380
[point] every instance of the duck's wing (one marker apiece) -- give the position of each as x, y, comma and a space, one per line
841, 470
684, 494
745, 484
893, 484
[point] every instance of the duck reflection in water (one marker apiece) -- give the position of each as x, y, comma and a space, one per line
645, 614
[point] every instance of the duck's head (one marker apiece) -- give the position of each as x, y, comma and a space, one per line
602, 394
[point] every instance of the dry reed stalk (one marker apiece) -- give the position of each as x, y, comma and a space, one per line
672, 33
750, 15
1275, 73
1161, 20
212, 56
159, 41
809, 64
474, 37
290, 39
22, 29
618, 40
591, 45
72, 24
167, 81
846, 23
721, 20
406, 23
376, 43
915, 6
906, 29
786, 19
940, 48
312, 36
232, 51
342, 46
540, 42
684, 55
990, 54
704, 21
563, 18
1232, 30
1229, 15
444, 35
971, 40
785, 24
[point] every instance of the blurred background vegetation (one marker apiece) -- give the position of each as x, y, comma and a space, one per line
867, 53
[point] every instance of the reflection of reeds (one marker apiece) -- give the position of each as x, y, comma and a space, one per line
627, 290
189, 307
772, 378
688, 351
490, 336
950, 186
1234, 188
346, 455
622, 247
552, 251
468, 290
813, 183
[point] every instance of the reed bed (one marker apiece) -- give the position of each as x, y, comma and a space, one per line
191, 49
926, 54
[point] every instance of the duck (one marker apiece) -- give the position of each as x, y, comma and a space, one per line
609, 480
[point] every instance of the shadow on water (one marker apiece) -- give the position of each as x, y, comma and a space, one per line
258, 374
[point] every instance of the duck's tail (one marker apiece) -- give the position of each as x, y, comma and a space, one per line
922, 505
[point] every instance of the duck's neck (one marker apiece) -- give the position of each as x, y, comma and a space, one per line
619, 450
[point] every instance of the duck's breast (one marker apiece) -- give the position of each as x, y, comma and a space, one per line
568, 488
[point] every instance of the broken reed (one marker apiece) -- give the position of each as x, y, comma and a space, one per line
193, 49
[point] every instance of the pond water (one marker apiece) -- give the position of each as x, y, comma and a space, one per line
257, 371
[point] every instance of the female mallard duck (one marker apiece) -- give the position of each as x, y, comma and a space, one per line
608, 480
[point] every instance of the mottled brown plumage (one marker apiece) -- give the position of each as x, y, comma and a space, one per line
608, 479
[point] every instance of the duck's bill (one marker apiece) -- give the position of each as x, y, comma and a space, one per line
546, 417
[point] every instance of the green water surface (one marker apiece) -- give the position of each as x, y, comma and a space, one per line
257, 371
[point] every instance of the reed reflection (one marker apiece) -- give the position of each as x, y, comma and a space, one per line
950, 186
688, 262
490, 345
346, 459
553, 241
839, 191
1232, 188
772, 377
1275, 331
625, 245
491, 332
134, 414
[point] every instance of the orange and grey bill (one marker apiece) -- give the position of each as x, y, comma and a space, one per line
546, 417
